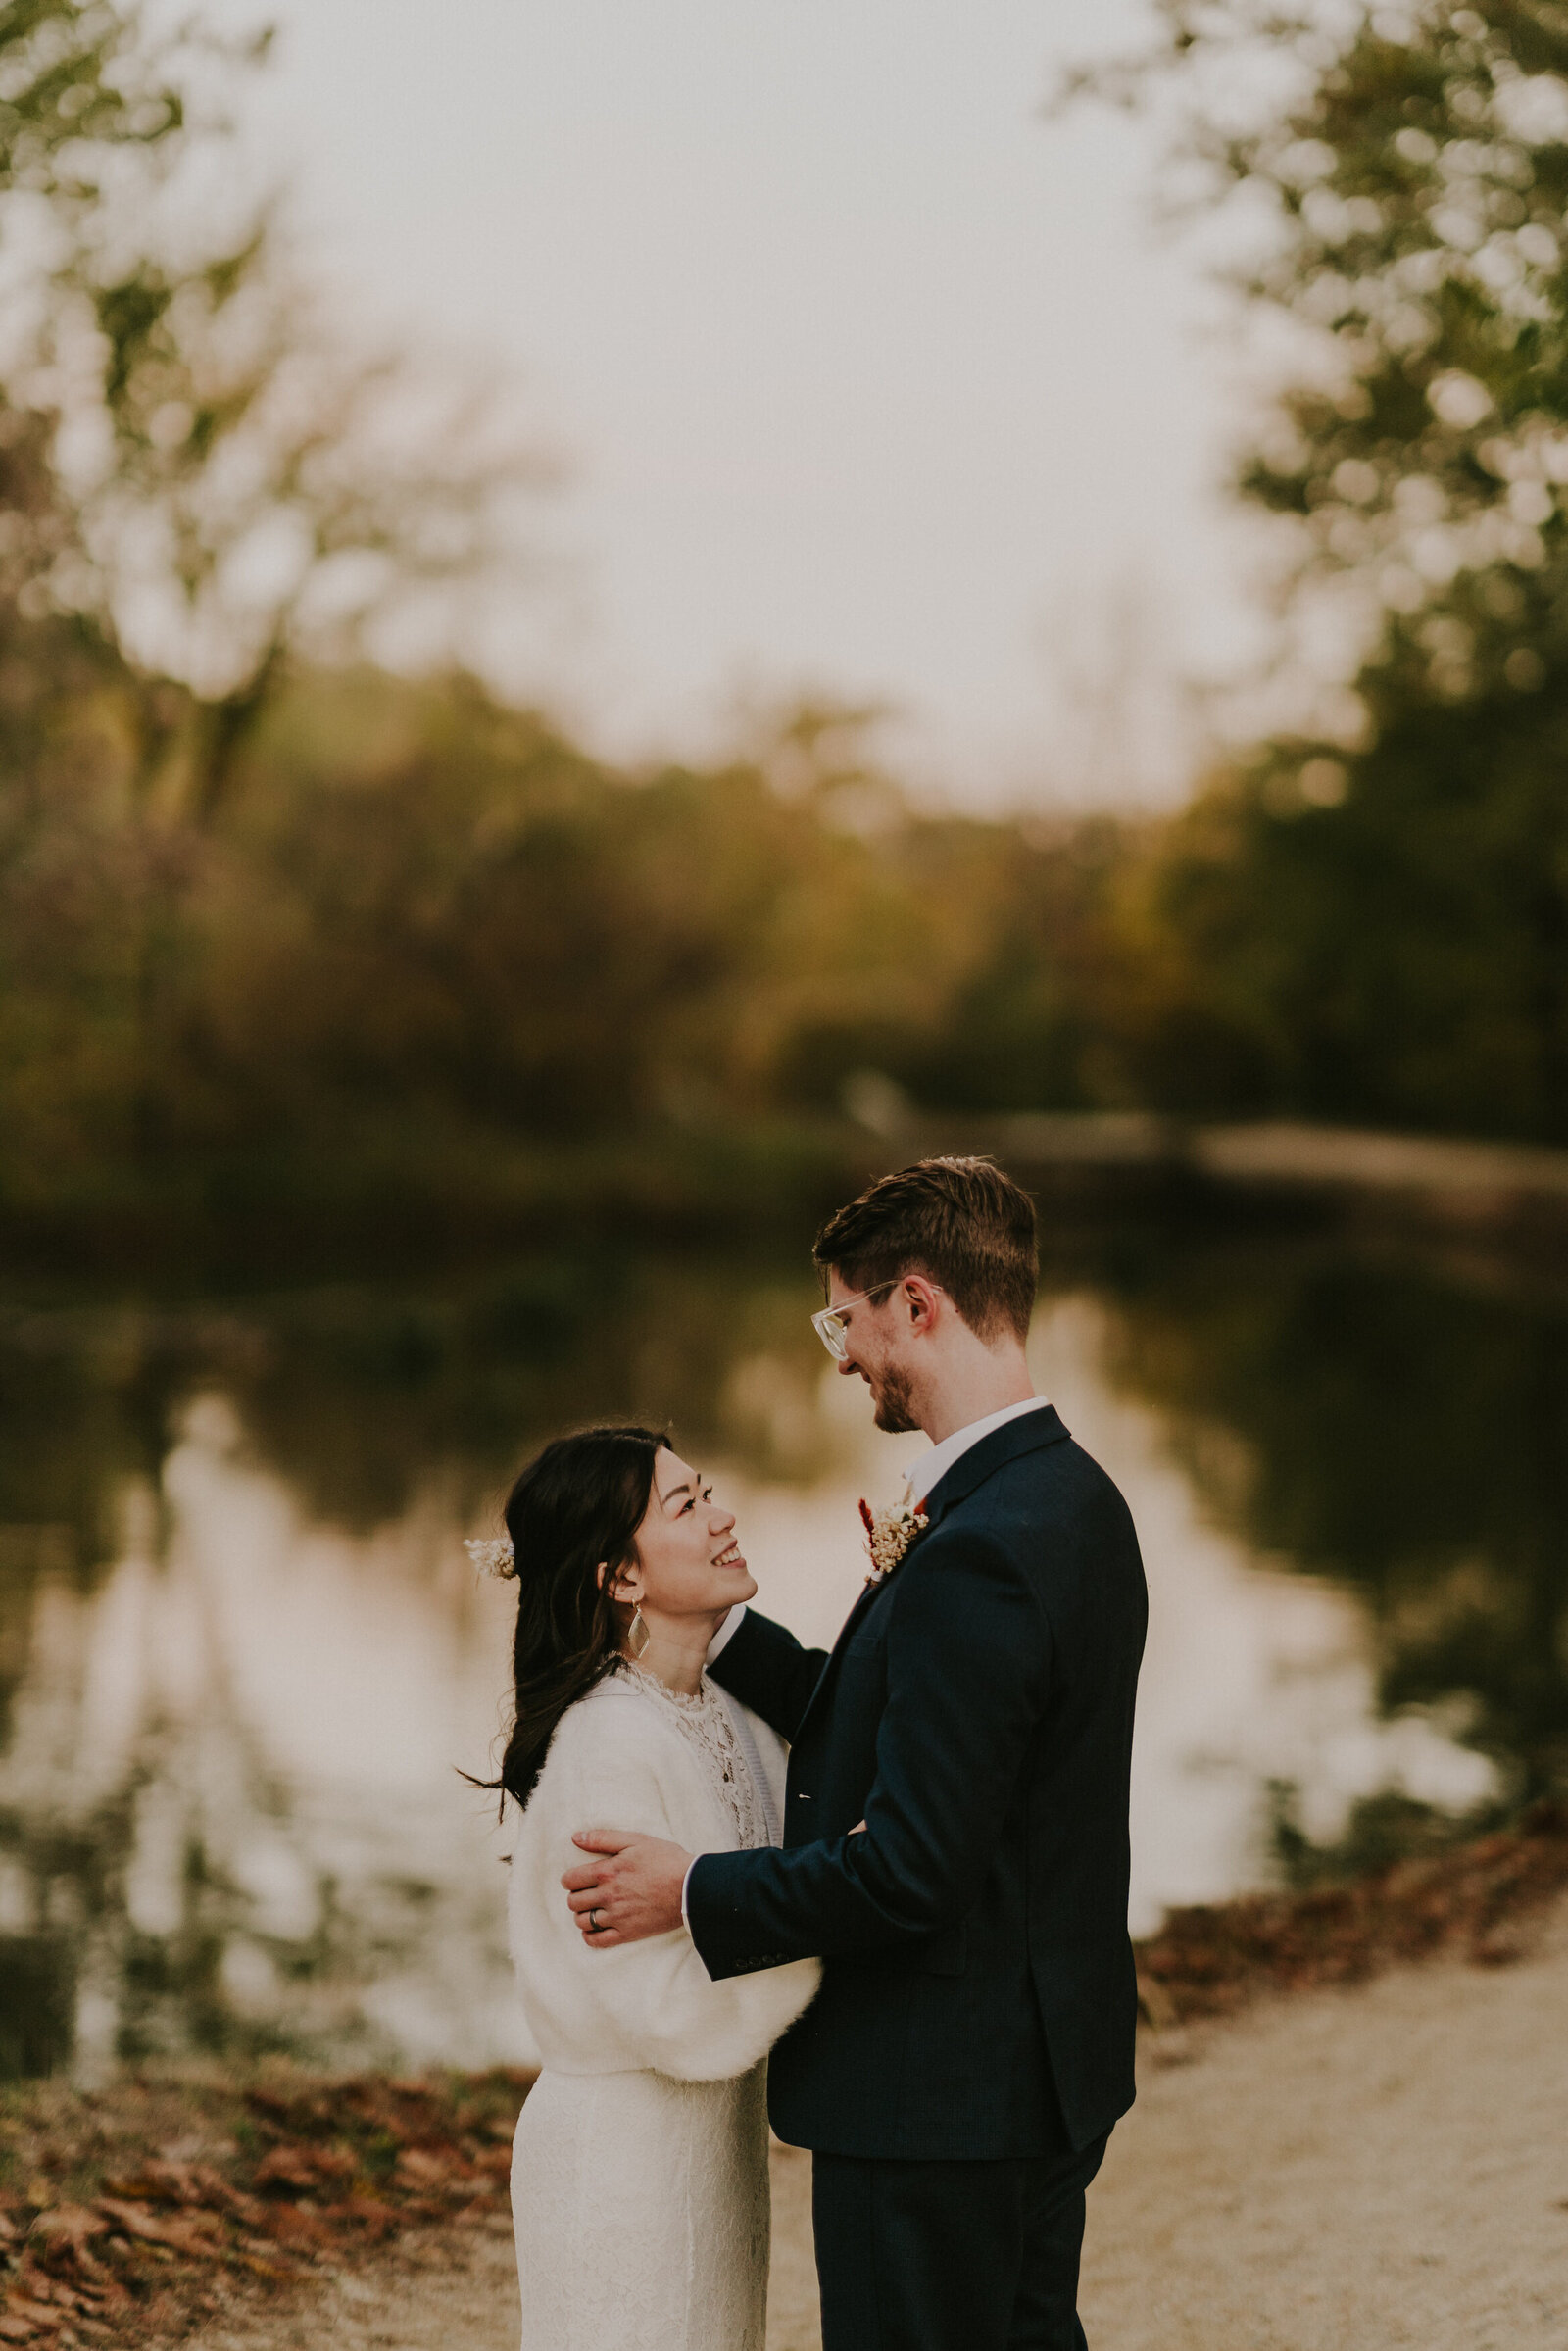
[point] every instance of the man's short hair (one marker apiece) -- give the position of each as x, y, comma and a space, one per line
963, 1223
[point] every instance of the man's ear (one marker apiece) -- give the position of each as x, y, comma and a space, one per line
922, 1301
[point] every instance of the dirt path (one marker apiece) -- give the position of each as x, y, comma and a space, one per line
456, 2291
1373, 2168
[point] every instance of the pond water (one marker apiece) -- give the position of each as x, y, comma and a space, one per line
243, 1656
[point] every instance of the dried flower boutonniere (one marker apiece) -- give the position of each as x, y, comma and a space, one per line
889, 1535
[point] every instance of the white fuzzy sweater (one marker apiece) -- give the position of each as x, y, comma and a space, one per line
619, 1760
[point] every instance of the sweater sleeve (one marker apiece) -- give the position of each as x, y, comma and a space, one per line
653, 2000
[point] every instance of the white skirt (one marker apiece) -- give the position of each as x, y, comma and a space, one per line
640, 2206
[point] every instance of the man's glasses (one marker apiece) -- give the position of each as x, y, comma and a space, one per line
830, 1327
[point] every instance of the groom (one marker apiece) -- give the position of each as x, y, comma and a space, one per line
955, 1832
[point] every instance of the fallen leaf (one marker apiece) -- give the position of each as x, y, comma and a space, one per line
296, 2228
218, 2194
424, 2168
193, 2235
67, 2224
176, 2183
366, 2213
303, 2169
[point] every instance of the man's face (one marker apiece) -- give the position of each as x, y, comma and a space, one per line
876, 1332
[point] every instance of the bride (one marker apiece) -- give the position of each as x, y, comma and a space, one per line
639, 2174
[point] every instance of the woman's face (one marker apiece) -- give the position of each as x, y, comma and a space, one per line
688, 1562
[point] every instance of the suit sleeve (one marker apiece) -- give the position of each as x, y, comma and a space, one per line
769, 1671
967, 1672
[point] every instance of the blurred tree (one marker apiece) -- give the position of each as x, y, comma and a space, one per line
79, 79
200, 484
421, 934
1376, 916
235, 483
468, 911
264, 493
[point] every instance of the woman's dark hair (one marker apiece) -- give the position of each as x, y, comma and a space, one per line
579, 1501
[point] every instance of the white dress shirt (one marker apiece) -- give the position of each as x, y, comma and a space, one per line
935, 1465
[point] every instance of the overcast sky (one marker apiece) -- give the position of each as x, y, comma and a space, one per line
869, 380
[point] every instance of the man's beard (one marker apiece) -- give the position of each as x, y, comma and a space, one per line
895, 1408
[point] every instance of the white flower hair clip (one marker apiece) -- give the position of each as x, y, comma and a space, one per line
492, 1554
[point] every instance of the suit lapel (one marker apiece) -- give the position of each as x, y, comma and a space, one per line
1026, 1435
863, 1602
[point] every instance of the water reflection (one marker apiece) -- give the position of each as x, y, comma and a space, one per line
1406, 1437
242, 1653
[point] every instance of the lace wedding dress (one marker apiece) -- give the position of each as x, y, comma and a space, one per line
639, 2175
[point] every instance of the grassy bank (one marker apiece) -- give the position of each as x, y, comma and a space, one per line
1477, 1898
433, 1197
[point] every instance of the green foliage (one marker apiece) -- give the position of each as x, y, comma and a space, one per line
421, 926
217, 483
279, 931
1375, 922
1401, 958
78, 78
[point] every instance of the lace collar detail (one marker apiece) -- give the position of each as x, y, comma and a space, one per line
708, 1727
695, 1701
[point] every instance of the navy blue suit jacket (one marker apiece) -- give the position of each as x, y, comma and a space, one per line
977, 1711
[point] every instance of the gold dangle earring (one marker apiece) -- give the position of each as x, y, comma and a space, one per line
637, 1634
